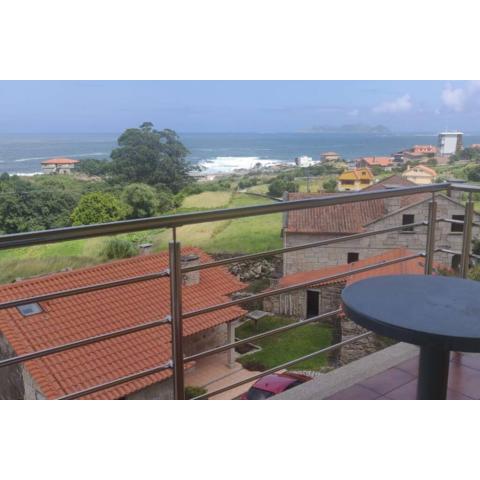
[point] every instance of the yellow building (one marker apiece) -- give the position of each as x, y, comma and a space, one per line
420, 174
355, 180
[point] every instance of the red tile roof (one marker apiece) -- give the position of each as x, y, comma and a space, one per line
60, 161
380, 161
410, 267
346, 218
73, 318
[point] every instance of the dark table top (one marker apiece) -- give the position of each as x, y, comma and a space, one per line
423, 310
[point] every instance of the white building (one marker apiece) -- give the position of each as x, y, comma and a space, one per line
450, 142
59, 165
304, 161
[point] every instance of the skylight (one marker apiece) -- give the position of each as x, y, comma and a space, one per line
30, 309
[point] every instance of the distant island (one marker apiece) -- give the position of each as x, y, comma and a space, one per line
351, 128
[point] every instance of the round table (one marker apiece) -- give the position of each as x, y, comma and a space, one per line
437, 313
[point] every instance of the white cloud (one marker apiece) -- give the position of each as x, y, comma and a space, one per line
400, 104
354, 113
457, 99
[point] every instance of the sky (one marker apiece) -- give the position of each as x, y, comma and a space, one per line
237, 106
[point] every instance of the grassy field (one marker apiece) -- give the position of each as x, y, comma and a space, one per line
208, 200
237, 236
286, 346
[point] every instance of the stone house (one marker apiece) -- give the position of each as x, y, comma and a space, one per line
55, 322
307, 226
61, 166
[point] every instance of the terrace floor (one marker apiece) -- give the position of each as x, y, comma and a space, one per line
400, 382
390, 374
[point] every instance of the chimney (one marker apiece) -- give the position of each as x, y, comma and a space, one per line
190, 278
145, 248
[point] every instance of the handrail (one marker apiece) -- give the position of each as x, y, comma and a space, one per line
178, 220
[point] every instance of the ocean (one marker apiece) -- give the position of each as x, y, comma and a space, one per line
216, 152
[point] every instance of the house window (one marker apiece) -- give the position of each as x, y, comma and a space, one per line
457, 227
29, 309
352, 257
407, 219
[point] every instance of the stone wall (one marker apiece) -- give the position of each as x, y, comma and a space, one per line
320, 257
15, 381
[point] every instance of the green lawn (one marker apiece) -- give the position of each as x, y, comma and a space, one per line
237, 236
286, 346
207, 200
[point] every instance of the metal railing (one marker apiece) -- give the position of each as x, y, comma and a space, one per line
175, 273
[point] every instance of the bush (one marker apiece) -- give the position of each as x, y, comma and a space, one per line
280, 185
117, 248
192, 392
141, 199
330, 185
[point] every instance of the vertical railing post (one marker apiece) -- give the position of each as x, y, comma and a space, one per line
176, 314
430, 247
467, 236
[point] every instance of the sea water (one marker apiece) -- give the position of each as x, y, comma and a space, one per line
215, 152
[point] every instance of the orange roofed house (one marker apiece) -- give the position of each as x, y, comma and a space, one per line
354, 180
59, 165
368, 162
55, 322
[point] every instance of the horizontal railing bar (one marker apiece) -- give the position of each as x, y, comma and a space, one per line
298, 286
253, 338
336, 346
177, 220
82, 343
450, 220
455, 252
465, 187
278, 251
118, 381
86, 289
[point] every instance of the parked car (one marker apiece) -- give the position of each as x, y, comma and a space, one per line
270, 385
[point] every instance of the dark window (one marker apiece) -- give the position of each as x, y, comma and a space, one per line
258, 394
30, 309
352, 257
406, 220
456, 259
457, 227
313, 303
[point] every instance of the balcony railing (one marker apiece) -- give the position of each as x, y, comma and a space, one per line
175, 272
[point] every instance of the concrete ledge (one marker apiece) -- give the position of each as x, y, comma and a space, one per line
350, 374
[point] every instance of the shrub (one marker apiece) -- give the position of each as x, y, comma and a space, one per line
117, 248
330, 185
192, 392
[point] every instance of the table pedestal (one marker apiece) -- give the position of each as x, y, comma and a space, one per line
433, 373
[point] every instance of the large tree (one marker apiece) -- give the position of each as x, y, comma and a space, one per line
146, 155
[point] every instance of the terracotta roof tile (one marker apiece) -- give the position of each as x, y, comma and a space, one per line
410, 267
59, 161
73, 318
346, 218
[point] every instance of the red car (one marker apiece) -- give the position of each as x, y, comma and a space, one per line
270, 385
